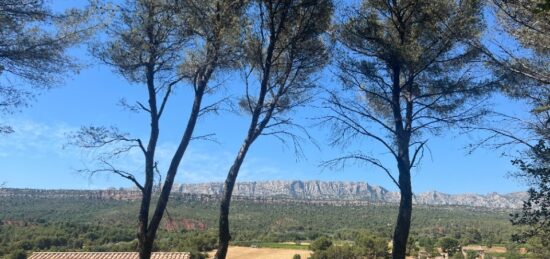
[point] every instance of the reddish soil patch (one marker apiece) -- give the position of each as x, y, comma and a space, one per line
187, 224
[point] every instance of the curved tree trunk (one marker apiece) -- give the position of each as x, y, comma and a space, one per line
254, 130
224, 235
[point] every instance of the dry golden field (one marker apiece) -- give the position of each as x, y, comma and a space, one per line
238, 252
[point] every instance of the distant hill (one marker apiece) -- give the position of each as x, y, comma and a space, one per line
351, 191
301, 191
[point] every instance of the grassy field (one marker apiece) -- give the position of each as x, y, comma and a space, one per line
277, 245
239, 252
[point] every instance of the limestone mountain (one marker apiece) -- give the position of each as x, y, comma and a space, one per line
303, 191
351, 191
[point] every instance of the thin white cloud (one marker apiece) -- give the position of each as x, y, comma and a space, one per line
201, 166
35, 139
49, 141
204, 166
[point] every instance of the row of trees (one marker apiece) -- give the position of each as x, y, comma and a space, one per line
408, 70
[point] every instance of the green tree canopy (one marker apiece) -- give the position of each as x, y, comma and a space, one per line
33, 49
408, 70
450, 245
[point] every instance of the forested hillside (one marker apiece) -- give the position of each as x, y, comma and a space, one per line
82, 224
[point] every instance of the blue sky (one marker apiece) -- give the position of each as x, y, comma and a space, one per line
36, 155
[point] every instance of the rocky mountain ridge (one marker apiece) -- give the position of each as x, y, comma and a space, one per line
302, 191
352, 191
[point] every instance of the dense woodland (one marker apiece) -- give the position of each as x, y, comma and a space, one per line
73, 224
406, 70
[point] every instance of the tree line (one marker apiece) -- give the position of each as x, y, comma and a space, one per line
407, 69
31, 224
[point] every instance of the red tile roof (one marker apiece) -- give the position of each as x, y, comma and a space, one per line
106, 255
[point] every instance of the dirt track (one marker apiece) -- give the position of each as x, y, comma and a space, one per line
237, 252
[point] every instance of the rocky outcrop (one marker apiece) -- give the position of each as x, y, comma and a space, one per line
332, 192
491, 200
311, 190
350, 191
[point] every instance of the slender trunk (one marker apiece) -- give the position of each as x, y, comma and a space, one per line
164, 197
402, 135
224, 235
145, 244
254, 130
143, 219
402, 227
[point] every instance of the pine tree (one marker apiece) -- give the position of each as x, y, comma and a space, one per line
283, 49
408, 70
149, 44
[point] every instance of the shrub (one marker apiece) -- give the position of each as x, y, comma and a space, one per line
18, 254
450, 245
336, 252
320, 244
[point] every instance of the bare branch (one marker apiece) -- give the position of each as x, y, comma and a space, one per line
109, 168
418, 150
207, 137
359, 157
343, 120
95, 137
143, 107
215, 107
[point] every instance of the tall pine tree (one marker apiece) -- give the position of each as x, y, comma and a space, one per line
408, 70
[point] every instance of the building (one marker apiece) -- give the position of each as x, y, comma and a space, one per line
106, 255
